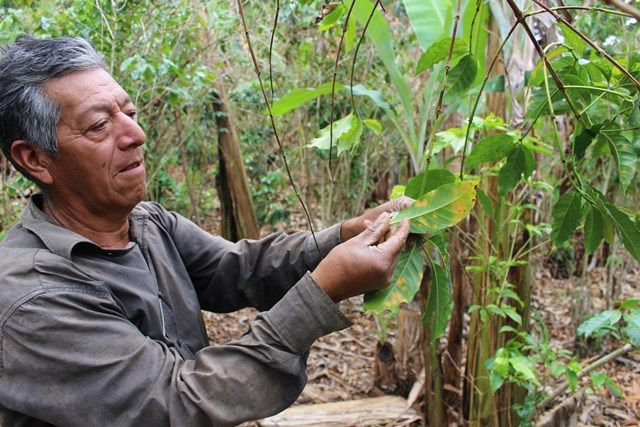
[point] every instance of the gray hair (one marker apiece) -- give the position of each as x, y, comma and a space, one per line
26, 112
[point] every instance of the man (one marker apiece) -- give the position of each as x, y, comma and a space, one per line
100, 293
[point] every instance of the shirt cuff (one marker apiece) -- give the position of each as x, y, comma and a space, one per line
327, 239
305, 314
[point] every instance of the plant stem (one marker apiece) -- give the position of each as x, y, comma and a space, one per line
273, 34
273, 125
595, 365
333, 84
355, 54
624, 7
590, 42
438, 111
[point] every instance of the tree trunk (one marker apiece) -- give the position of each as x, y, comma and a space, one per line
238, 214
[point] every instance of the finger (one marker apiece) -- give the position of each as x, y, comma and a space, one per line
372, 234
403, 203
396, 242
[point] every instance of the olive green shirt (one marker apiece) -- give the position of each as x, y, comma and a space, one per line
94, 337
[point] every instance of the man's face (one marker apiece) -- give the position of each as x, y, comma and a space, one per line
100, 165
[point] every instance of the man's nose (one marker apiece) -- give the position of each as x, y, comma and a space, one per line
131, 134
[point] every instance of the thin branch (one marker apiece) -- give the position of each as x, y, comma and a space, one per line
333, 84
624, 7
355, 54
590, 42
438, 111
273, 34
273, 125
595, 365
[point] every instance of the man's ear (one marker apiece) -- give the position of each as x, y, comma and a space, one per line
34, 161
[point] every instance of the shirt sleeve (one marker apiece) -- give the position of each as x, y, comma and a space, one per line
69, 357
228, 276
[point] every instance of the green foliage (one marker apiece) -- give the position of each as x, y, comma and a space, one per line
439, 302
439, 51
566, 217
404, 285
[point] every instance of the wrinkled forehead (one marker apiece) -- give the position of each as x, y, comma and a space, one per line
85, 90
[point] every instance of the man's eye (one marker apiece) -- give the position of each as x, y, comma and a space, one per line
132, 114
99, 126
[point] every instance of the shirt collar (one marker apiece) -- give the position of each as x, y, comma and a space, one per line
61, 241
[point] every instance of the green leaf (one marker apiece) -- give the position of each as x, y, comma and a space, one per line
625, 157
523, 366
429, 19
397, 191
490, 149
486, 203
331, 18
404, 285
512, 313
441, 208
346, 135
633, 334
495, 84
599, 323
374, 95
374, 125
520, 162
573, 40
462, 75
630, 303
627, 230
297, 97
439, 51
440, 242
593, 230
495, 381
428, 181
566, 217
439, 302
350, 35
584, 139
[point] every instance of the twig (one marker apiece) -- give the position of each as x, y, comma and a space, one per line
590, 42
438, 111
624, 7
355, 54
333, 84
273, 34
595, 365
273, 125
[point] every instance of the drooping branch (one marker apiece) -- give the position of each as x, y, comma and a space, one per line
333, 83
590, 42
586, 371
624, 7
273, 124
438, 111
520, 17
355, 54
273, 34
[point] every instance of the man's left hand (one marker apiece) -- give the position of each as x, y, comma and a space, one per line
354, 226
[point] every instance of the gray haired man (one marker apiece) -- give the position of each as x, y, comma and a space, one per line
100, 292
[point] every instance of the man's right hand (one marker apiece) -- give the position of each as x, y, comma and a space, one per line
364, 263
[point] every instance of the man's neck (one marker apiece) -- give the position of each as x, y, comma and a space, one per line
108, 233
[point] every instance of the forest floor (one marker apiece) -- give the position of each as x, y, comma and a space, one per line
341, 365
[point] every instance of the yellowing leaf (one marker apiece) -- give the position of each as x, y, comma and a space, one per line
441, 208
404, 285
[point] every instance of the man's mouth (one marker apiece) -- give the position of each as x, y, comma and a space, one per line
132, 166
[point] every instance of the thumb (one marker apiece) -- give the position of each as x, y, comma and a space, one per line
375, 231
396, 242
